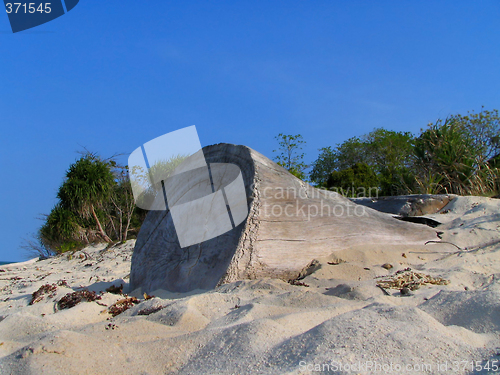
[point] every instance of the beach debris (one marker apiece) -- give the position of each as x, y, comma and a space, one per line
405, 291
150, 310
403, 255
384, 291
115, 289
147, 296
409, 279
313, 266
45, 290
335, 261
297, 283
41, 277
84, 255
122, 305
458, 247
62, 283
111, 326
387, 266
72, 299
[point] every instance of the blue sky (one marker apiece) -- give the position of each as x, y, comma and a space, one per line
111, 75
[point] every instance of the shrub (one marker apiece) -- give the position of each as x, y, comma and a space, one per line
389, 155
354, 181
95, 204
454, 155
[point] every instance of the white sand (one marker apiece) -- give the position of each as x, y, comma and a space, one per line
269, 326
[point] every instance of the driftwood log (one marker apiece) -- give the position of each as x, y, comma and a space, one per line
289, 224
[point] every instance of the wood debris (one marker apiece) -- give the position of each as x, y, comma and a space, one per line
411, 280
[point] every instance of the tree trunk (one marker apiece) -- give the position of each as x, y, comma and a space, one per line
113, 226
99, 227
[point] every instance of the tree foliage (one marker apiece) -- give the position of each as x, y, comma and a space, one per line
88, 186
460, 154
387, 153
289, 155
323, 166
95, 204
359, 179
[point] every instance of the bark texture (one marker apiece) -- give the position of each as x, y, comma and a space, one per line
289, 224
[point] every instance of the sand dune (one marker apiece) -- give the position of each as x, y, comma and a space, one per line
341, 322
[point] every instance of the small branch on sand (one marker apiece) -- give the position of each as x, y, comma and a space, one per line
468, 249
383, 290
459, 248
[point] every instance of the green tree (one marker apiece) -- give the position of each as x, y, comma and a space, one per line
388, 153
289, 155
358, 180
323, 166
456, 154
351, 152
95, 204
62, 230
88, 187
484, 130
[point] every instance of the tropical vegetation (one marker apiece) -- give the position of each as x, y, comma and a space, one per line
94, 204
456, 155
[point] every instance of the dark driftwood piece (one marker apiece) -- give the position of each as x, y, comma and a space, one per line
419, 220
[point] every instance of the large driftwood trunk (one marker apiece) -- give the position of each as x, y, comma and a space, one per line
289, 224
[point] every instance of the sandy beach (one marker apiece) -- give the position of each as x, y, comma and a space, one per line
426, 309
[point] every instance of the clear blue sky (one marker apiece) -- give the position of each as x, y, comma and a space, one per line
111, 75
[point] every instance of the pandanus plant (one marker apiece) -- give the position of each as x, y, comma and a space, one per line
447, 153
87, 188
61, 226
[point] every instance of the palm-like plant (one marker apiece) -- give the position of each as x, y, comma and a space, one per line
447, 150
88, 186
61, 226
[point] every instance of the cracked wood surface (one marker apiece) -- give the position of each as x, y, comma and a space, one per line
289, 224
